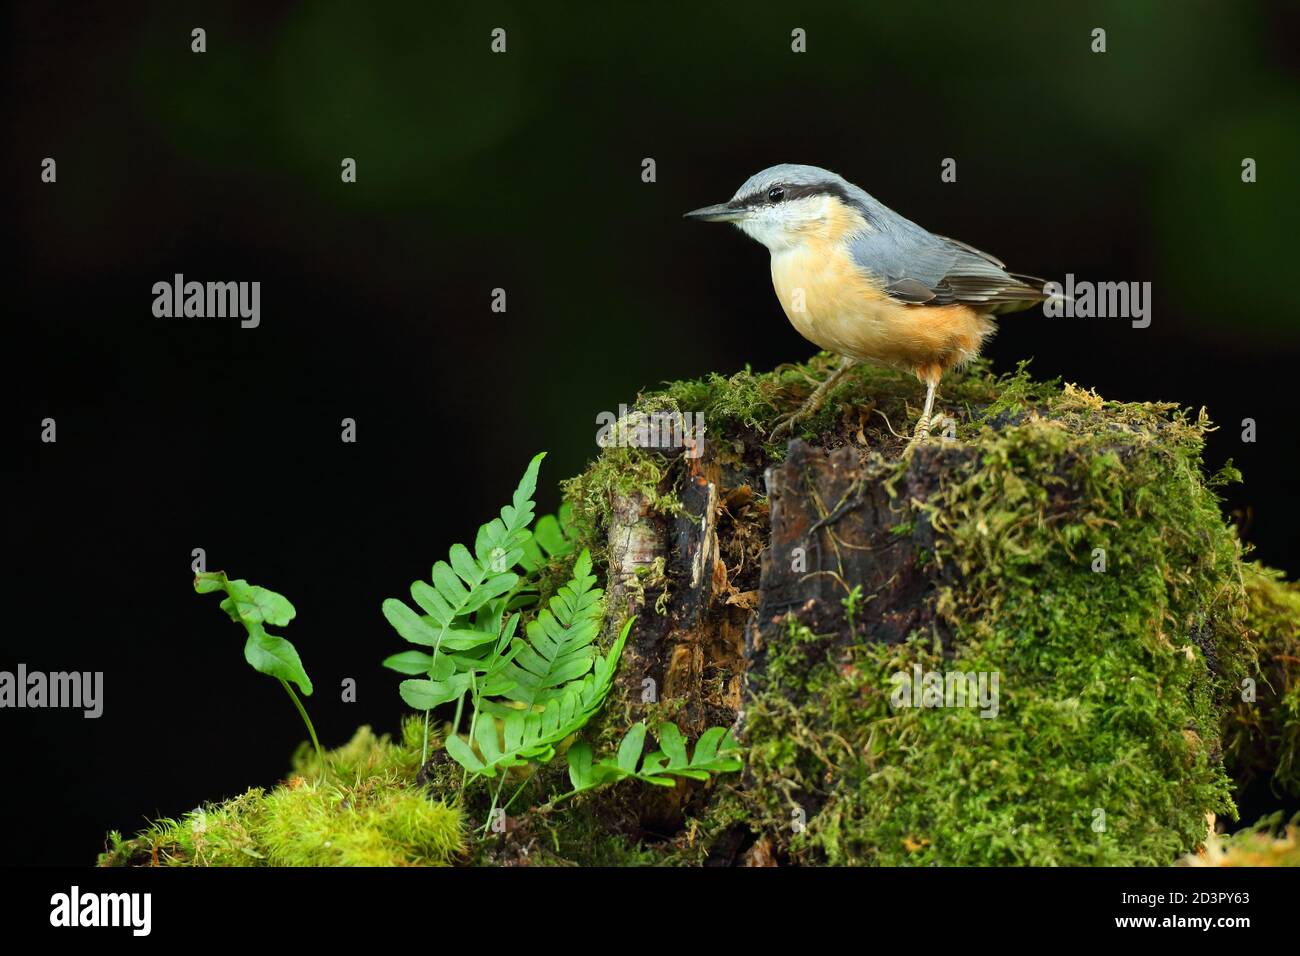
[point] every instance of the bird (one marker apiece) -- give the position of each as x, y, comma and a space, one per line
857, 279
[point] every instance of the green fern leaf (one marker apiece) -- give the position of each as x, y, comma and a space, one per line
580, 766
553, 537
426, 694
254, 607
629, 749
460, 587
532, 735
409, 662
500, 543
715, 752
559, 645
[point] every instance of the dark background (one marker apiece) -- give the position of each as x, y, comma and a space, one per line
522, 171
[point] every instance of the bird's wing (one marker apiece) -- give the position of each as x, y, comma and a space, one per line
920, 268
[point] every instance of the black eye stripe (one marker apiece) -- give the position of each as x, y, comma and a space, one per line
803, 191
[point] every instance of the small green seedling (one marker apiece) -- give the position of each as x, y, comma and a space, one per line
852, 605
255, 607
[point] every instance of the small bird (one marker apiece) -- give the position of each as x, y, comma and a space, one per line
857, 279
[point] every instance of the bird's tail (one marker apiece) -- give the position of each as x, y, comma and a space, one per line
1028, 293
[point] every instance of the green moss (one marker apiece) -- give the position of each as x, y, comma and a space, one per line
366, 756
741, 410
364, 809
1262, 736
377, 823
619, 472
591, 832
1113, 683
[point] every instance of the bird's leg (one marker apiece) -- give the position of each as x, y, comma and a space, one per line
924, 424
814, 401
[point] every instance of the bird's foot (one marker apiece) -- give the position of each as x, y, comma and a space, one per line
923, 427
927, 426
785, 426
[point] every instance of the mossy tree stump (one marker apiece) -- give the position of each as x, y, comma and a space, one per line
1073, 547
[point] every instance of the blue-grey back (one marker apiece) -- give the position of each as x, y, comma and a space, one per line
911, 263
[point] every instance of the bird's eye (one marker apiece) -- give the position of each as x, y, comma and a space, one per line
775, 194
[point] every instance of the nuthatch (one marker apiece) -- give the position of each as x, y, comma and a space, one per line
859, 280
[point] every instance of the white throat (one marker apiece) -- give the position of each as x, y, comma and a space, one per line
781, 227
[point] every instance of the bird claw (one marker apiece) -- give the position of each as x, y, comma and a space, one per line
812, 405
785, 427
924, 425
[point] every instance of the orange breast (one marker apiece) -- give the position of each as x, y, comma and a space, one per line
837, 307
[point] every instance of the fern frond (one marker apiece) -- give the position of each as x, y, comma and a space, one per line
499, 545
461, 586
715, 752
528, 735
552, 538
549, 682
558, 649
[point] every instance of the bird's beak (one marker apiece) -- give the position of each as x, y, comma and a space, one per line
722, 212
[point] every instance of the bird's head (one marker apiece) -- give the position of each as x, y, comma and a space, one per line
784, 205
